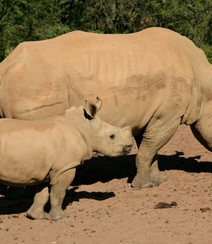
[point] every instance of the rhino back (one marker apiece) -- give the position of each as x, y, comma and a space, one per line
136, 75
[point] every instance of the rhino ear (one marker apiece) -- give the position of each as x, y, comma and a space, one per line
98, 103
91, 108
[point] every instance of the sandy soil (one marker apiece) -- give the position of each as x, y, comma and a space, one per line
103, 209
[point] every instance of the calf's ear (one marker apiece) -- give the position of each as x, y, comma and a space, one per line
91, 108
98, 103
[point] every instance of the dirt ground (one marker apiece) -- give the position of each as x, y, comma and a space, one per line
103, 209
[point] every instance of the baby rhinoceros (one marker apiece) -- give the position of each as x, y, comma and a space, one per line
48, 151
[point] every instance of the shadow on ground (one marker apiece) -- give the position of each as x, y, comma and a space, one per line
16, 206
104, 169
179, 162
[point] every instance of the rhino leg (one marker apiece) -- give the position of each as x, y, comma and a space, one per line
57, 194
156, 135
155, 174
41, 197
203, 132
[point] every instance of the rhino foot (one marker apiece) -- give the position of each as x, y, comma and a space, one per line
147, 185
158, 177
34, 216
155, 181
143, 180
148, 179
56, 217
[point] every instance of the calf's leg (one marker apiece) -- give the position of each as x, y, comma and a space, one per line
59, 186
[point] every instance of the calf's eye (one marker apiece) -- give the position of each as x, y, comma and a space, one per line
112, 136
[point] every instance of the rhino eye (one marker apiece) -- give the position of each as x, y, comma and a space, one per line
112, 136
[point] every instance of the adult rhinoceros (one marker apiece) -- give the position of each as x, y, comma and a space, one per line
153, 80
48, 150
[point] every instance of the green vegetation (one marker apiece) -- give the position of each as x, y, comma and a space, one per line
27, 20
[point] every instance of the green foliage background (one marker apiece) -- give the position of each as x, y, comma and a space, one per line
27, 20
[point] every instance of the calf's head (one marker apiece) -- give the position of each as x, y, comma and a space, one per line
107, 139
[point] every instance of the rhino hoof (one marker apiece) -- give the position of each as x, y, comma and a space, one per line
158, 178
147, 185
133, 188
30, 216
49, 217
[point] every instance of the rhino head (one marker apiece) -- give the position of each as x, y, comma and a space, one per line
107, 139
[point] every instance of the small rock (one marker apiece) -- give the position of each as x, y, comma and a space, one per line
174, 204
205, 209
15, 216
165, 205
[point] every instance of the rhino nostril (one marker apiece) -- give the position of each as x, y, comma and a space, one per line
127, 148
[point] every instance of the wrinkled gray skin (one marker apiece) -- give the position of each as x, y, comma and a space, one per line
153, 80
46, 152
